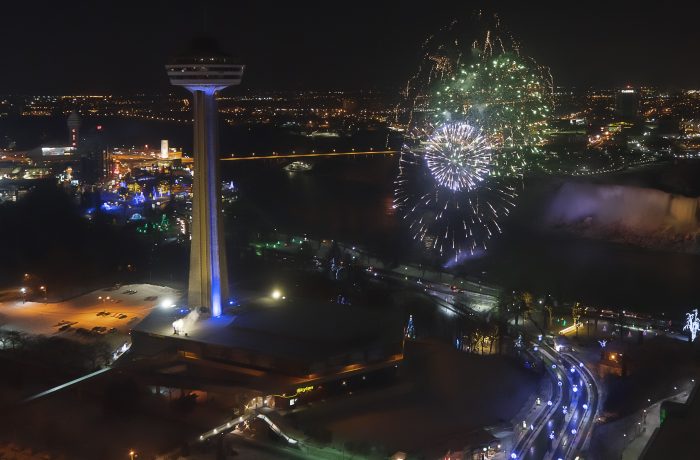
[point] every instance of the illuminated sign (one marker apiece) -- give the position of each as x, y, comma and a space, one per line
52, 151
299, 391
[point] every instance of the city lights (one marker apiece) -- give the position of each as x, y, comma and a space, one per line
244, 270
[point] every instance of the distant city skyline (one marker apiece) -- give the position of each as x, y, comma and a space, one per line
72, 47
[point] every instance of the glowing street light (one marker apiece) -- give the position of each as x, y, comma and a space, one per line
276, 294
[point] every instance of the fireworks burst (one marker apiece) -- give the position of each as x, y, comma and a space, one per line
474, 70
458, 156
456, 181
507, 95
447, 192
474, 38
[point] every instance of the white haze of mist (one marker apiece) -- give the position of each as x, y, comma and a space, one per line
636, 209
184, 325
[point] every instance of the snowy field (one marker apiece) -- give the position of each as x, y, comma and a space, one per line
108, 308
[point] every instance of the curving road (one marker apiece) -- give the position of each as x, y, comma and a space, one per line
562, 430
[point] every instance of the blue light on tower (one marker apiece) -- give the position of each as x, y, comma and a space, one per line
204, 70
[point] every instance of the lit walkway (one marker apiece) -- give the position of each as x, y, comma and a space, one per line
67, 384
648, 422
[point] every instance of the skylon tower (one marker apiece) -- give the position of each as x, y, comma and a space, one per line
204, 70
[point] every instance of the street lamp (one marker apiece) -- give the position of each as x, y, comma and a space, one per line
23, 290
132, 454
43, 290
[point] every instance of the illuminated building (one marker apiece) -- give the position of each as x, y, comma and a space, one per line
627, 103
74, 128
204, 70
274, 341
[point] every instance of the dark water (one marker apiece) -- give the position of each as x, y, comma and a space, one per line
350, 199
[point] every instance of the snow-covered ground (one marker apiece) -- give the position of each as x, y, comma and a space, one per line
126, 307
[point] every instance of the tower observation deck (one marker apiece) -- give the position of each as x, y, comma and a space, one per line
204, 70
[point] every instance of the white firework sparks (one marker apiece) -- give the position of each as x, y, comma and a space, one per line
448, 193
458, 155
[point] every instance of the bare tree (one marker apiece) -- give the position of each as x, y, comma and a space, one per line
576, 312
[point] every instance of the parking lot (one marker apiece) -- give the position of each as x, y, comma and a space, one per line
109, 312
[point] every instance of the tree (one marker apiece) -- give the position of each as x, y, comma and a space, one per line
547, 315
527, 300
493, 335
576, 312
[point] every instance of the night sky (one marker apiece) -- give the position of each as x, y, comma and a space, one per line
121, 46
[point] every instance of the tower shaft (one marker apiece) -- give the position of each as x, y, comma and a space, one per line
208, 280
204, 70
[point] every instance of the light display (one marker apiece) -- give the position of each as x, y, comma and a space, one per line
410, 331
692, 324
458, 156
506, 94
519, 341
447, 192
474, 70
475, 113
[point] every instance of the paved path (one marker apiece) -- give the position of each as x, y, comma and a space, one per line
648, 421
